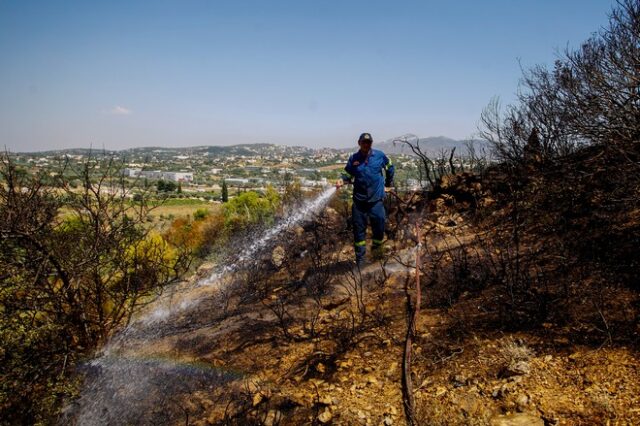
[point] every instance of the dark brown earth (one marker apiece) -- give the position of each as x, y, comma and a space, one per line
523, 320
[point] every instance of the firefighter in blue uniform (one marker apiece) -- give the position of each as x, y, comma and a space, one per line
370, 171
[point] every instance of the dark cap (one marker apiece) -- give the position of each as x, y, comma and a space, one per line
365, 137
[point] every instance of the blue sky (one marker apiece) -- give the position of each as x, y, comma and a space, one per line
120, 74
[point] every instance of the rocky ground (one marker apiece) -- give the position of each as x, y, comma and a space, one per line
311, 340
485, 378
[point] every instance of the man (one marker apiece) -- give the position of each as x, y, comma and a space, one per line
370, 171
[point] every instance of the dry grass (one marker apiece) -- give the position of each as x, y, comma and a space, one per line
514, 351
181, 210
163, 215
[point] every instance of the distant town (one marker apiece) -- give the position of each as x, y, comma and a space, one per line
200, 171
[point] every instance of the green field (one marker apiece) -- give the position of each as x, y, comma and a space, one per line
175, 208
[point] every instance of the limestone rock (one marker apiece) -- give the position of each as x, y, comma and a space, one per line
520, 419
325, 417
471, 406
459, 380
522, 402
326, 400
277, 256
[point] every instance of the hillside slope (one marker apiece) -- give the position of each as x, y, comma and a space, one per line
529, 316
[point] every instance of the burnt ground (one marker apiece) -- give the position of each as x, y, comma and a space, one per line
516, 326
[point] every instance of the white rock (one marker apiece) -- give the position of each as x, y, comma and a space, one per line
325, 416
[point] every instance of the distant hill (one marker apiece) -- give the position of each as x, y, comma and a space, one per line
71, 151
432, 146
241, 149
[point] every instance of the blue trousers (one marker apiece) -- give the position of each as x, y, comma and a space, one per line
362, 213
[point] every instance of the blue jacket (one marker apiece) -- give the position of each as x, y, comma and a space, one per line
366, 174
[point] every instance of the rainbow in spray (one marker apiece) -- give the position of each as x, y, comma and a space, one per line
139, 370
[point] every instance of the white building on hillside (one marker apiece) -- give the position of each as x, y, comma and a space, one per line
178, 176
158, 174
131, 172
